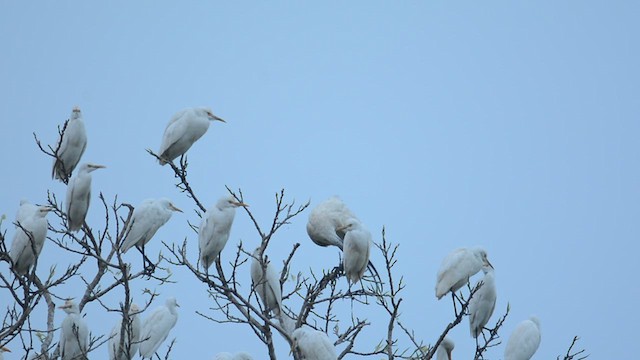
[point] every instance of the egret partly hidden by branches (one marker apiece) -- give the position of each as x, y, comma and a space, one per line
312, 344
74, 333
31, 232
458, 267
147, 218
483, 302
79, 196
444, 349
357, 240
131, 336
157, 326
229, 356
71, 148
215, 228
524, 340
184, 129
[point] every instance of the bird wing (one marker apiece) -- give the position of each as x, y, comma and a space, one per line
174, 131
155, 330
524, 341
146, 220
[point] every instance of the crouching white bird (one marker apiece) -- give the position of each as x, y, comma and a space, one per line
31, 232
458, 267
72, 146
184, 129
312, 344
236, 356
524, 340
130, 338
156, 328
74, 333
444, 349
215, 228
357, 240
145, 221
483, 302
79, 196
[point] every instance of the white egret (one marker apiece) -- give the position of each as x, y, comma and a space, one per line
236, 356
312, 344
157, 326
444, 349
72, 146
29, 237
458, 267
482, 303
74, 336
79, 196
146, 219
357, 240
215, 228
131, 336
524, 340
2, 351
184, 129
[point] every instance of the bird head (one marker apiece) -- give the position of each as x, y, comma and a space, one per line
91, 167
69, 306
212, 117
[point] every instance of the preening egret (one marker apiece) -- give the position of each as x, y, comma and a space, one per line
79, 196
444, 349
184, 129
2, 351
215, 228
74, 333
357, 240
236, 356
32, 227
312, 344
157, 326
147, 218
458, 267
524, 340
131, 336
72, 146
482, 303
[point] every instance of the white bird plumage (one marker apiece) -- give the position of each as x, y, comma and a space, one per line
183, 130
72, 146
524, 340
79, 196
131, 336
267, 286
326, 220
74, 333
312, 344
215, 228
458, 267
157, 326
444, 349
31, 218
357, 240
483, 302
145, 221
236, 356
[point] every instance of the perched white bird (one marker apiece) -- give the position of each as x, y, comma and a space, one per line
236, 356
357, 240
184, 129
444, 349
267, 287
157, 326
79, 196
131, 336
31, 218
74, 333
458, 267
326, 220
482, 303
215, 228
2, 351
312, 344
72, 146
147, 218
524, 340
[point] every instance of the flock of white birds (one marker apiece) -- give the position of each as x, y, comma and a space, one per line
330, 223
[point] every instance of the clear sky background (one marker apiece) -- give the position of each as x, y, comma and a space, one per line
510, 125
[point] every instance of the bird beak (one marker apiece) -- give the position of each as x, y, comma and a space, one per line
488, 263
178, 305
174, 208
48, 208
98, 166
240, 204
64, 306
213, 117
5, 349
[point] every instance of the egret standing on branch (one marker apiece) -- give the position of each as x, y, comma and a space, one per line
215, 228
74, 336
524, 340
458, 267
131, 336
444, 349
156, 328
79, 196
72, 146
482, 303
312, 344
357, 241
31, 232
184, 129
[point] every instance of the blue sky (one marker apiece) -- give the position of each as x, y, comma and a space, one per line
512, 126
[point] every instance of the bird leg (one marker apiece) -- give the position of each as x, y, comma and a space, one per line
147, 264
